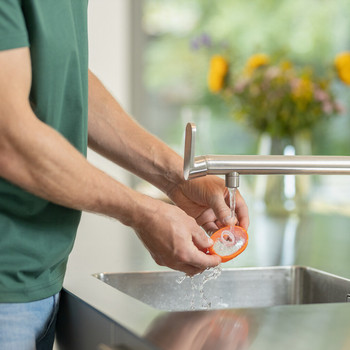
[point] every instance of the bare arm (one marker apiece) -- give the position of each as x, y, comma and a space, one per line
38, 159
115, 135
118, 137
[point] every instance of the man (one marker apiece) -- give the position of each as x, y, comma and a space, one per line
51, 108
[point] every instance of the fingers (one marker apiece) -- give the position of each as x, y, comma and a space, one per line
195, 262
177, 241
208, 221
203, 261
221, 210
195, 267
206, 199
193, 259
198, 262
201, 240
210, 227
196, 256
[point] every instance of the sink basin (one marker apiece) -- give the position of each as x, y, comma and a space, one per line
234, 288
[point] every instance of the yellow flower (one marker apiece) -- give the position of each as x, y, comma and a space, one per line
217, 72
286, 65
215, 82
256, 61
302, 92
219, 65
342, 65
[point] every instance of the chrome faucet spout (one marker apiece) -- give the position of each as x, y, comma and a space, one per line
233, 165
232, 180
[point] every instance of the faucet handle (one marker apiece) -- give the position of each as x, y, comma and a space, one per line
190, 139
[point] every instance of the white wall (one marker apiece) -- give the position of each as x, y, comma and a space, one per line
109, 59
110, 45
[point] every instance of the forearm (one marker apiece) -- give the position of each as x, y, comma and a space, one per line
118, 137
38, 159
42, 162
114, 134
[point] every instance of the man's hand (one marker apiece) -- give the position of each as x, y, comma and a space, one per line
173, 238
207, 200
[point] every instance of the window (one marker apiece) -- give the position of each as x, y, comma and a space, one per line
171, 85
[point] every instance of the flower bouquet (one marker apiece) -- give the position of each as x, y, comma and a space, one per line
282, 102
277, 97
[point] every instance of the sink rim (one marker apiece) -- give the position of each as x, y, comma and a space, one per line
324, 287
98, 275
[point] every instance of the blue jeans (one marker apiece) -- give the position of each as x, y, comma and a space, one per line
28, 326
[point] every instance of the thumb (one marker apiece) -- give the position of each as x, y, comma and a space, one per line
222, 211
201, 240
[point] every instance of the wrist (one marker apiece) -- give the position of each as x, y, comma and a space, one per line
140, 212
174, 178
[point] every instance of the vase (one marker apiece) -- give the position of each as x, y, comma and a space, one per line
283, 195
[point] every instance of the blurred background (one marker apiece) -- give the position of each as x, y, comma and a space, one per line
173, 67
155, 57
172, 46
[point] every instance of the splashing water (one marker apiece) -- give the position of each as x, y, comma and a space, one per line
197, 284
228, 240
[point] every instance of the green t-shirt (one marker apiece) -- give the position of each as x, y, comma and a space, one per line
36, 236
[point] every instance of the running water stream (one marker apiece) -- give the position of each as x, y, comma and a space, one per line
198, 281
232, 194
229, 242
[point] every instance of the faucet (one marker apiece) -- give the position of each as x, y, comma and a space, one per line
233, 165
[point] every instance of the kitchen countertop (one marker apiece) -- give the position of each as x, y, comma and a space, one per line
316, 239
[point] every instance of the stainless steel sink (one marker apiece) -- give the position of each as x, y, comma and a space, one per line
234, 288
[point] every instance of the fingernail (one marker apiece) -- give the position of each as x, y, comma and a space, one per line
210, 241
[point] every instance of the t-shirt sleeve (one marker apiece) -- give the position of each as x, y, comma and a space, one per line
13, 30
